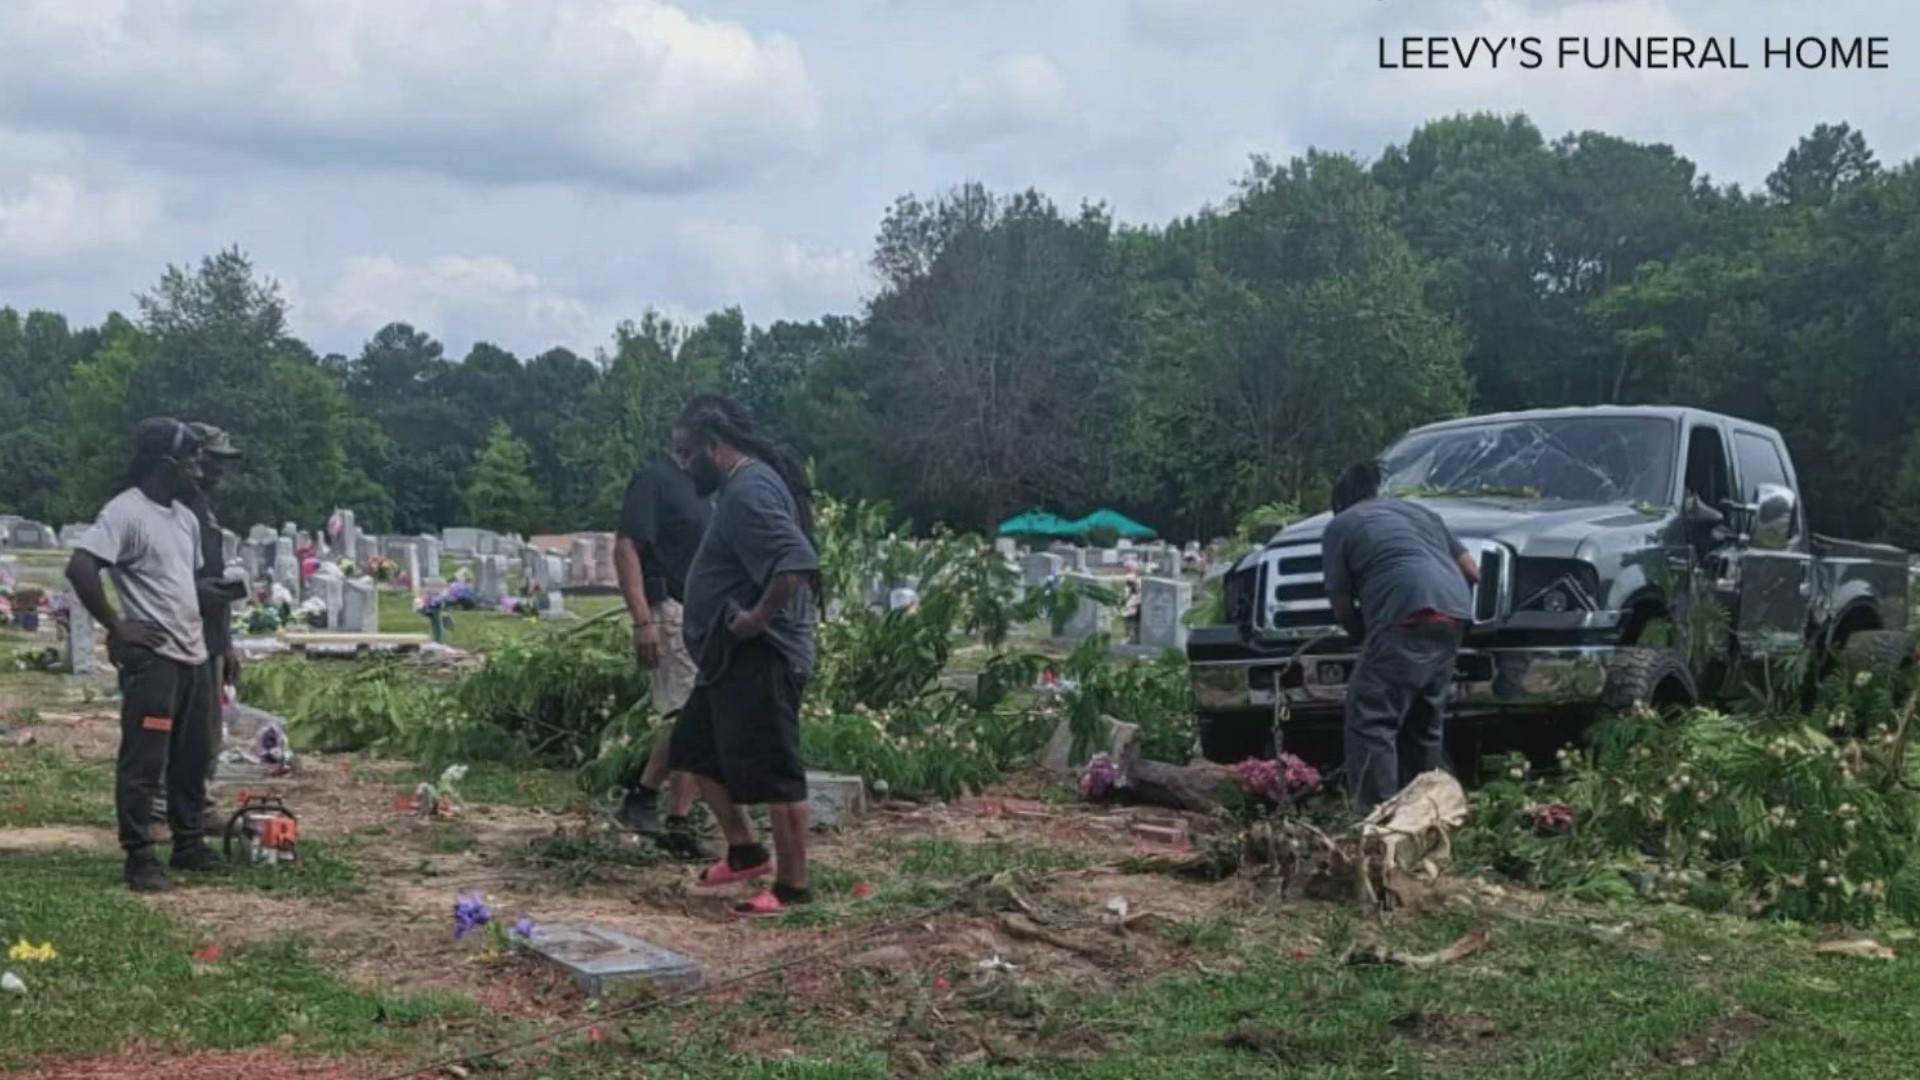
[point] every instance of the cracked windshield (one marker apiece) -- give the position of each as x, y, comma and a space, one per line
1577, 459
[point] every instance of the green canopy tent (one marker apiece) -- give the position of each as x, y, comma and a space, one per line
1039, 523
1115, 520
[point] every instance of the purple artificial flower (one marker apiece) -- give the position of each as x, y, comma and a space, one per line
523, 929
470, 911
1101, 776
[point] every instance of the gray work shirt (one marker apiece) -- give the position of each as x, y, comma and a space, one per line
1396, 559
754, 535
152, 551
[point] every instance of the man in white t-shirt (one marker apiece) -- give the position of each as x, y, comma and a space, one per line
148, 541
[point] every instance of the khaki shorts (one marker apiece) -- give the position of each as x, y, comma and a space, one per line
673, 680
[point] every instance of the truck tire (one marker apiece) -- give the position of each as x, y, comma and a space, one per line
1656, 678
1880, 650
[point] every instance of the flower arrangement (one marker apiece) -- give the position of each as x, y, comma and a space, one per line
313, 612
382, 569
1279, 780
1101, 776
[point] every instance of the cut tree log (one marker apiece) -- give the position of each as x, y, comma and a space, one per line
1194, 788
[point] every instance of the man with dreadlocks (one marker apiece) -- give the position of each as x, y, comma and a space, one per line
748, 622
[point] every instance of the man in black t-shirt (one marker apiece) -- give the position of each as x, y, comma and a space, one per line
217, 593
662, 521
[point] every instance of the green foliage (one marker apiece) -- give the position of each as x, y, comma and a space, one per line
554, 693
1769, 811
1155, 695
501, 494
1105, 537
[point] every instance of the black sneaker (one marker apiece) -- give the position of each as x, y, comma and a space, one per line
680, 842
640, 812
143, 873
198, 857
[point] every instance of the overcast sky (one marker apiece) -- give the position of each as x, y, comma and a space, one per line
531, 171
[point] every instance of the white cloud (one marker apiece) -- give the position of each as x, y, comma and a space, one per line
734, 259
58, 202
457, 298
635, 92
1017, 95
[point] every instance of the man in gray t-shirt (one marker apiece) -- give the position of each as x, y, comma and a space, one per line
748, 625
1399, 582
149, 542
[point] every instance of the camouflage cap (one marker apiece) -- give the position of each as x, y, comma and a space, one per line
215, 441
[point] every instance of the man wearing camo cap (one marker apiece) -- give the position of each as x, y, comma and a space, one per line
217, 594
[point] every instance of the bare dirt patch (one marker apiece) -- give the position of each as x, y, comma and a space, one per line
1720, 1039
139, 1064
57, 838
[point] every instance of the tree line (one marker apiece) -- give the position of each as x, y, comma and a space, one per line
1017, 354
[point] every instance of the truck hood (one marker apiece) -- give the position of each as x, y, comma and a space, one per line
1532, 528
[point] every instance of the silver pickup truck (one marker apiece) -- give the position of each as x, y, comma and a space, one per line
1627, 555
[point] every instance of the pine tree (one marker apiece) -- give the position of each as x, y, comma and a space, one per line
501, 496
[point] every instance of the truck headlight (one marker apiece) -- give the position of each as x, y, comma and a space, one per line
1555, 586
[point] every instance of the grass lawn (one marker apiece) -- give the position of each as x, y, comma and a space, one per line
476, 630
125, 972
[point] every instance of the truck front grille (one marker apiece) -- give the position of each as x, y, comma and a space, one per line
1294, 590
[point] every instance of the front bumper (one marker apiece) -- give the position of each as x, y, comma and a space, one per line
1485, 680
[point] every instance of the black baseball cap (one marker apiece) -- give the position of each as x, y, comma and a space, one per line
163, 436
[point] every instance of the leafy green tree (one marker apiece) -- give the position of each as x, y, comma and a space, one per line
1827, 161
501, 495
989, 353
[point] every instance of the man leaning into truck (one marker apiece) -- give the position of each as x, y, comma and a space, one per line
1411, 578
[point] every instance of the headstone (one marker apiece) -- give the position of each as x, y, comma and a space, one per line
1109, 557
331, 588
360, 607
256, 558
430, 556
1163, 612
70, 535
349, 538
262, 534
80, 638
1116, 741
289, 531
833, 799
1008, 547
490, 579
1089, 616
553, 604
412, 566
33, 536
1039, 567
598, 957
229, 545
460, 541
603, 570
580, 566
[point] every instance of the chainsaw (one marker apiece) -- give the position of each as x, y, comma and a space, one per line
264, 829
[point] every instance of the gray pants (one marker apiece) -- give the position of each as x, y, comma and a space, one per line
1396, 708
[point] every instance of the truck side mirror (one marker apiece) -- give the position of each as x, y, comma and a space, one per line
1773, 516
1706, 526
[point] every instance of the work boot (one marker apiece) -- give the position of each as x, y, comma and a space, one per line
198, 857
640, 812
682, 843
143, 873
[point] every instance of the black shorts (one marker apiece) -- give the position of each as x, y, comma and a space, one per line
743, 729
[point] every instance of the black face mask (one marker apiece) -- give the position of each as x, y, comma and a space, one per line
706, 474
